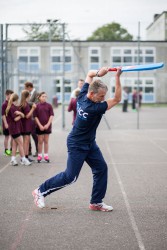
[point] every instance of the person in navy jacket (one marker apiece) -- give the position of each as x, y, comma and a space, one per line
81, 142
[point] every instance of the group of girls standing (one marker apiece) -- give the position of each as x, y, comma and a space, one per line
19, 120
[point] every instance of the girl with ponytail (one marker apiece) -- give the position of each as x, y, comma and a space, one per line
14, 117
27, 120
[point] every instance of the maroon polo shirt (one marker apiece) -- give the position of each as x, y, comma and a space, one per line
15, 127
43, 112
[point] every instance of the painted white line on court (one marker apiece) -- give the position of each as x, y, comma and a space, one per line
7, 165
23, 227
156, 144
129, 210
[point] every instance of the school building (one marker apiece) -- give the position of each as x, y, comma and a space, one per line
42, 62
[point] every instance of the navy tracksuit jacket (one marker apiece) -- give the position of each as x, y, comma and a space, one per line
82, 148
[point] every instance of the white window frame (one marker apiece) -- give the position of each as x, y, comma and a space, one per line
60, 49
60, 85
130, 82
90, 54
29, 54
132, 55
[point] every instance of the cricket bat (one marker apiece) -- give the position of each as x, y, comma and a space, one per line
140, 67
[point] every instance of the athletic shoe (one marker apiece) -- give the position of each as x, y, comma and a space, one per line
46, 159
38, 198
25, 162
30, 160
13, 163
8, 152
39, 159
100, 207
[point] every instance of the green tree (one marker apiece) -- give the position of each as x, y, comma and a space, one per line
110, 32
43, 32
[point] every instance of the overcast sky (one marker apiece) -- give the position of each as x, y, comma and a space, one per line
83, 17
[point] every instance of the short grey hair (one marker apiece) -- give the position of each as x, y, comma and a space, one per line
96, 85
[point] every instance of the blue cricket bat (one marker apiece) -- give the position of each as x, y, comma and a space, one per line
140, 67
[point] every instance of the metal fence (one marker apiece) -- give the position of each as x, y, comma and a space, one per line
2, 69
13, 77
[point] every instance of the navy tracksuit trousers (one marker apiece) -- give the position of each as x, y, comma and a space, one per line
76, 157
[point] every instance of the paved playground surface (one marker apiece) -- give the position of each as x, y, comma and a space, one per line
137, 189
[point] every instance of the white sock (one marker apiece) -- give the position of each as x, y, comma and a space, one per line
45, 155
23, 158
13, 158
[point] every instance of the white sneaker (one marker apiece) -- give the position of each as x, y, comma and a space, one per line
25, 162
13, 163
38, 198
100, 207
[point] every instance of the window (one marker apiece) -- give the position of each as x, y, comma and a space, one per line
138, 51
23, 51
116, 52
149, 82
68, 59
95, 51
146, 85
128, 56
130, 89
57, 88
56, 67
117, 59
67, 89
94, 58
136, 82
127, 51
127, 81
21, 81
57, 58
149, 59
34, 59
127, 59
149, 89
28, 59
57, 81
67, 81
149, 51
136, 59
67, 67
33, 67
23, 59
34, 51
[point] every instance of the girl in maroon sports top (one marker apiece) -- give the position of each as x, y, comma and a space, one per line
15, 129
43, 115
27, 120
